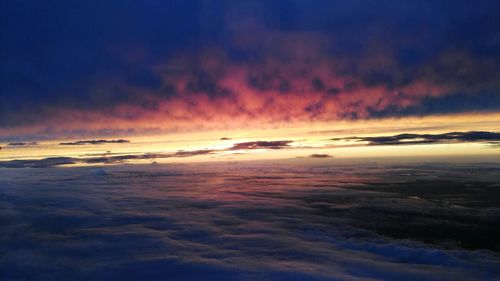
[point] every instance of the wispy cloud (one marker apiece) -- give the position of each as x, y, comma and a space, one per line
38, 163
115, 159
420, 139
94, 142
182, 153
22, 143
317, 155
261, 145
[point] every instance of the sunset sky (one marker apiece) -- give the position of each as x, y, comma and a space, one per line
243, 140
105, 82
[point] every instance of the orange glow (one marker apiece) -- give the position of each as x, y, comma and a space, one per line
307, 138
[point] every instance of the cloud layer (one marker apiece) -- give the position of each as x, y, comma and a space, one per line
336, 221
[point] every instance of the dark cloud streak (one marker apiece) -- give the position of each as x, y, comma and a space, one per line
94, 142
419, 139
317, 155
262, 145
22, 143
116, 159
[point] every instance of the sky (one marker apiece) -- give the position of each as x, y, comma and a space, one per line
104, 82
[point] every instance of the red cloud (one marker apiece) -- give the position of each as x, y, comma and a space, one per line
294, 80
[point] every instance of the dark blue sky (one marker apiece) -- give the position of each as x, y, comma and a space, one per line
59, 56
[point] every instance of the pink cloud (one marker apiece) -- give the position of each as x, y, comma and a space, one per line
295, 79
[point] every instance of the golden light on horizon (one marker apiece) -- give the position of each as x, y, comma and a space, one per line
305, 139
